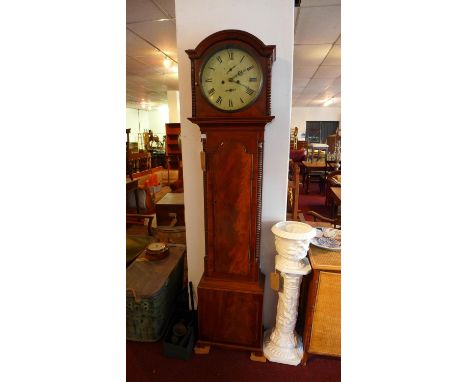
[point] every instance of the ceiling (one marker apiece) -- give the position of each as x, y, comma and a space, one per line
151, 40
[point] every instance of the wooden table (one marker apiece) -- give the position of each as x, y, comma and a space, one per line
335, 193
319, 165
169, 207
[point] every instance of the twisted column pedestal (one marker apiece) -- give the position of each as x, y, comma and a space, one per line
283, 344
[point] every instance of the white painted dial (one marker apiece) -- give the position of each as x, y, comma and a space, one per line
231, 79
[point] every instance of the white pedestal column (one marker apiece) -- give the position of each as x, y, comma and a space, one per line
283, 344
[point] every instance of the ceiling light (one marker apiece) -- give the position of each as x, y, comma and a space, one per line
329, 101
167, 63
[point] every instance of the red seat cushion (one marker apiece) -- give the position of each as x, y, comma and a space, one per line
298, 155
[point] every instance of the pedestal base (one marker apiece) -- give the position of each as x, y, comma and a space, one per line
286, 355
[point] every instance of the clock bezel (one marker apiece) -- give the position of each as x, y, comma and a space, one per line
264, 54
213, 52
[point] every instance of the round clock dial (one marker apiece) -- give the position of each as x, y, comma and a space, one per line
231, 79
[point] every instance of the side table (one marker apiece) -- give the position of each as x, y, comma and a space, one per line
322, 327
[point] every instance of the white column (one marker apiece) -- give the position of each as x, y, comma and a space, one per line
262, 18
173, 104
292, 239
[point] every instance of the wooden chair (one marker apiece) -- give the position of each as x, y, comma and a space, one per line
331, 181
316, 217
294, 185
317, 174
140, 224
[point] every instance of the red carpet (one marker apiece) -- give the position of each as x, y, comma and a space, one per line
146, 362
313, 201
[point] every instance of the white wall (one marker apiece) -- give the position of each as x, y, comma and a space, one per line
154, 120
300, 115
174, 106
157, 120
195, 21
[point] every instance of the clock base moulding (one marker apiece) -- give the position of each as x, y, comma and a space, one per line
230, 313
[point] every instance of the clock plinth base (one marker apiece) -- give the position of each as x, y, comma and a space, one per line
230, 314
257, 357
201, 349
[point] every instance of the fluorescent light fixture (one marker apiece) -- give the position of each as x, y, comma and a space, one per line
329, 101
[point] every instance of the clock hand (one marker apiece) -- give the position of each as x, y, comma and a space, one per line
231, 69
230, 90
240, 83
238, 74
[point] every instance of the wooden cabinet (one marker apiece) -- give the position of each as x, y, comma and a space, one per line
322, 326
173, 151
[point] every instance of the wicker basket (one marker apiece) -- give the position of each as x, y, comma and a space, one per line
326, 327
152, 288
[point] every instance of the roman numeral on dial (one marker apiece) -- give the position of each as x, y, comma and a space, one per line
249, 91
209, 80
231, 54
250, 67
230, 103
253, 79
219, 59
211, 91
219, 100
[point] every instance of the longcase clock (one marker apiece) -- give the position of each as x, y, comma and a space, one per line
231, 87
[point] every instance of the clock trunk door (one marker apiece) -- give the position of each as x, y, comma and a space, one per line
231, 195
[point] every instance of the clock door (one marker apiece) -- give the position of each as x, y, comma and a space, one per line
231, 195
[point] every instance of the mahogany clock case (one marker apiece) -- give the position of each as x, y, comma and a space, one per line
230, 293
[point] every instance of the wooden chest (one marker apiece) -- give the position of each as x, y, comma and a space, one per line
152, 288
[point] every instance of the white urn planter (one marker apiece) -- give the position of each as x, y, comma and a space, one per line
282, 344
